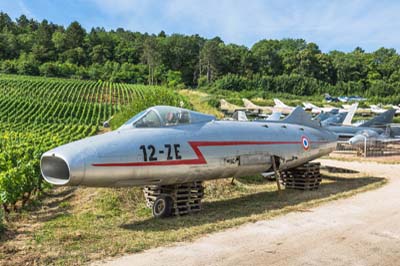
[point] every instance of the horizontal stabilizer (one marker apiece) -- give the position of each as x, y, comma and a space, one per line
300, 117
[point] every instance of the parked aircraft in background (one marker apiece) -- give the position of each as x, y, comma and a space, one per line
315, 109
275, 116
323, 116
344, 118
282, 108
372, 137
330, 99
250, 106
359, 111
356, 99
377, 109
229, 108
377, 124
167, 148
397, 108
344, 99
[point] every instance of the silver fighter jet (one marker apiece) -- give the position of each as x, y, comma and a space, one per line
166, 145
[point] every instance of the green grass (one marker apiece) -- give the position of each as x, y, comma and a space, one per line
200, 102
100, 223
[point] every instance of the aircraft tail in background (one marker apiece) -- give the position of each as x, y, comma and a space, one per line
380, 120
275, 116
248, 104
301, 117
279, 103
350, 114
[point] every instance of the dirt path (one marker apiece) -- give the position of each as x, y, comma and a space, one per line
361, 230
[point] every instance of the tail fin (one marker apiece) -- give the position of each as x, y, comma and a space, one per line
334, 120
239, 116
380, 120
308, 105
300, 117
275, 116
279, 103
350, 114
248, 104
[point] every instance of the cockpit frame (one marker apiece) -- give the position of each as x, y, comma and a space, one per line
166, 116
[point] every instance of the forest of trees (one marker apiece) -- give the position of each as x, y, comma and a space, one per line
30, 47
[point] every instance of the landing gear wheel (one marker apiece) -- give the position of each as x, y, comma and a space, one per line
162, 207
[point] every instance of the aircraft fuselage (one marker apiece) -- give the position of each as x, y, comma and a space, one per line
179, 154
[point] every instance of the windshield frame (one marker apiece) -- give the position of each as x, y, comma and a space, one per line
194, 117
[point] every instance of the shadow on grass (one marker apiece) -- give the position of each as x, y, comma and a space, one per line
253, 204
40, 212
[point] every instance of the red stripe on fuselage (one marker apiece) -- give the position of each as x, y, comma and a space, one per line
200, 157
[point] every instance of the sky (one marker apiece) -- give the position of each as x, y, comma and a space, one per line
332, 24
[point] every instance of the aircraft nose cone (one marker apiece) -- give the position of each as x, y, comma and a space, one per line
65, 165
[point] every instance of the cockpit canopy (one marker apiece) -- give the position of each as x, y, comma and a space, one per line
165, 116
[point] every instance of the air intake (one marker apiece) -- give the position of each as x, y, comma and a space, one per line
55, 170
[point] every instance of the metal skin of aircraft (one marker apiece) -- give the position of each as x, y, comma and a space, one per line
376, 124
372, 136
166, 145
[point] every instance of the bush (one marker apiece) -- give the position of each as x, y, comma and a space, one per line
174, 79
233, 82
8, 67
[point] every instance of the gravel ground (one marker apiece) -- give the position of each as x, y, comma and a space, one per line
361, 230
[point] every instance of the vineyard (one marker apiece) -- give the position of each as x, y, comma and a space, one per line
37, 114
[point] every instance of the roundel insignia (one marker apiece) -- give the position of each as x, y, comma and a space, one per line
305, 142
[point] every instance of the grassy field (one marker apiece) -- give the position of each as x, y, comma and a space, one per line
200, 101
73, 226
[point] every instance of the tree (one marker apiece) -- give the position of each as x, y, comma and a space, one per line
266, 53
6, 24
151, 57
180, 53
209, 58
74, 35
43, 48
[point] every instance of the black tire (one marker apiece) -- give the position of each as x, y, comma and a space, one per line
162, 207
